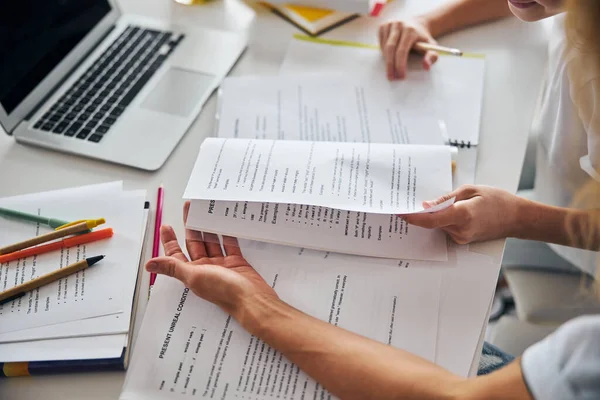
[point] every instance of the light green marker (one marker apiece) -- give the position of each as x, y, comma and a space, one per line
51, 222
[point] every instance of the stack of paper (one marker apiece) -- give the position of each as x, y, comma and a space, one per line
86, 315
336, 191
189, 347
339, 197
453, 93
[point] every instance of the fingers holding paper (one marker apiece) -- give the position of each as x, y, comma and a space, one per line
194, 241
479, 213
397, 39
170, 243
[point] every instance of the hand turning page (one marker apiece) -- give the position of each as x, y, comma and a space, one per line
374, 178
339, 197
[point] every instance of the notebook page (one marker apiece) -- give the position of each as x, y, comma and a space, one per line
323, 108
452, 90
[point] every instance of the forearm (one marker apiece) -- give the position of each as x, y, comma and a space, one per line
348, 365
460, 14
354, 367
565, 226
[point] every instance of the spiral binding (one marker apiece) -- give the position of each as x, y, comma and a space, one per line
460, 143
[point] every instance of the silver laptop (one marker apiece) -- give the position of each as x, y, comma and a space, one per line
80, 77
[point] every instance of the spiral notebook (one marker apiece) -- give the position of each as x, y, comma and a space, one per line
452, 90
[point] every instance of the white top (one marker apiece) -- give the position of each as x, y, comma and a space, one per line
565, 365
568, 154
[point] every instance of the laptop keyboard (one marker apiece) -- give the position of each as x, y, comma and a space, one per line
94, 103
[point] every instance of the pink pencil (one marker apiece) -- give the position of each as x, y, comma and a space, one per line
157, 224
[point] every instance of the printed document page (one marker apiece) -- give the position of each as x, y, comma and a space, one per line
130, 204
324, 108
320, 228
81, 295
452, 91
373, 178
188, 347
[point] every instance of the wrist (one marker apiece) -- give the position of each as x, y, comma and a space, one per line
542, 222
522, 218
431, 24
256, 312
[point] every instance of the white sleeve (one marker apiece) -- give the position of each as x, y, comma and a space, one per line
565, 365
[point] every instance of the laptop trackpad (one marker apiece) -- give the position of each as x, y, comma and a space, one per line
178, 92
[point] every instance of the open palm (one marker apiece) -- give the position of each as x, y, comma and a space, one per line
224, 278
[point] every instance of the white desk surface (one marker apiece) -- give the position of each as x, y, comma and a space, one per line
515, 52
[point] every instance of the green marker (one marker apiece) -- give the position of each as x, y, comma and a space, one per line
51, 222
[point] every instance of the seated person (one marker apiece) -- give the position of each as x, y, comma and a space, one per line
567, 126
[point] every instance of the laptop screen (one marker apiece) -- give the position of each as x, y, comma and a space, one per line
35, 35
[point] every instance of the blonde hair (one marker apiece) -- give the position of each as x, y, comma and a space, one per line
583, 34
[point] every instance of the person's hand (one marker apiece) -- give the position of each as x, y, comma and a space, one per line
225, 279
397, 38
479, 213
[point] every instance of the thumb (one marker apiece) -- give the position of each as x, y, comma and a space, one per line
462, 193
169, 266
429, 59
432, 203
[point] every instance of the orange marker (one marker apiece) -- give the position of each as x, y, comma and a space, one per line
61, 244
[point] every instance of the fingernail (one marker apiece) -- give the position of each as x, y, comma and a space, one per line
152, 266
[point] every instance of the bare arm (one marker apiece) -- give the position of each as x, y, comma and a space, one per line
354, 367
460, 14
566, 226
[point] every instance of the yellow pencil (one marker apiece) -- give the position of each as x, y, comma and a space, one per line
71, 230
20, 290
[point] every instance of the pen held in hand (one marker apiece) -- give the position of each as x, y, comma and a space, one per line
20, 290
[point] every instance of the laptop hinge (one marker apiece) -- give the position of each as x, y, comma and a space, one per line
68, 74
